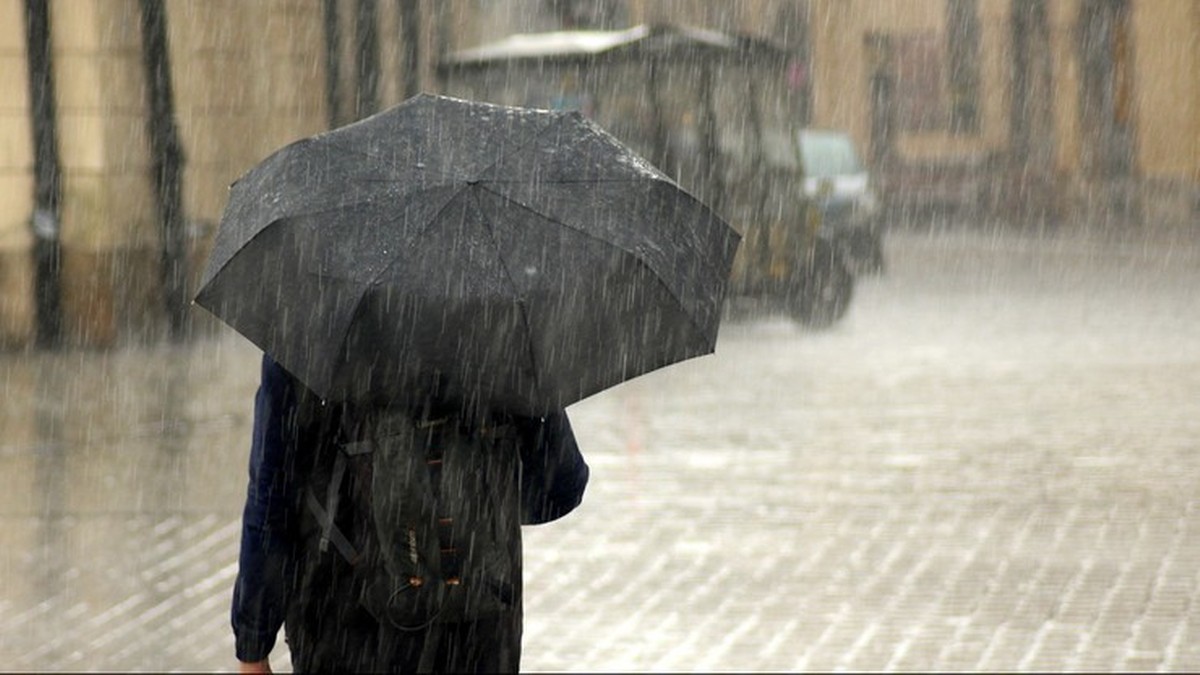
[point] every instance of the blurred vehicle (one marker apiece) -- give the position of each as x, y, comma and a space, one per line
839, 185
706, 108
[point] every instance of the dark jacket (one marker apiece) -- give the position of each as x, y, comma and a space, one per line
553, 478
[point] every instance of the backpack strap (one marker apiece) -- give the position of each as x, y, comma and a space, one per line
325, 514
330, 532
402, 518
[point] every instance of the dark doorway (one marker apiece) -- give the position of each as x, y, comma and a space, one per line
792, 28
1106, 88
1031, 120
963, 35
882, 83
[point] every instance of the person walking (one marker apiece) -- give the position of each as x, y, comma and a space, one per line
471, 270
313, 568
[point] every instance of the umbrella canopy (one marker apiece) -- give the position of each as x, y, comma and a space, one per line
512, 257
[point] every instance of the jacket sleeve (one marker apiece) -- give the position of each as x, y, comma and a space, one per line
259, 595
554, 474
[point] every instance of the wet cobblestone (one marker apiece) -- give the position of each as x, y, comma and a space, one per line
991, 464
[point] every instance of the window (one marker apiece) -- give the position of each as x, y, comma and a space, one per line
919, 99
962, 55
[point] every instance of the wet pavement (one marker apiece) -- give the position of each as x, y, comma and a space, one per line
991, 464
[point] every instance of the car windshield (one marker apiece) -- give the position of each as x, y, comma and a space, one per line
828, 154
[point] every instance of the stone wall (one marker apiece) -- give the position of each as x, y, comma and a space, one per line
248, 78
16, 181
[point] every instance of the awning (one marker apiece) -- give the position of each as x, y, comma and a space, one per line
639, 41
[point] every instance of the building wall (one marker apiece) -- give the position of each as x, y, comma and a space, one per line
108, 234
1165, 37
1062, 18
250, 77
842, 65
1163, 185
1167, 79
16, 181
995, 72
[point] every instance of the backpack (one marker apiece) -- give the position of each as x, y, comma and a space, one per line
420, 515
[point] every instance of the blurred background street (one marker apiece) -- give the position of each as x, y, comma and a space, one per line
990, 463
986, 460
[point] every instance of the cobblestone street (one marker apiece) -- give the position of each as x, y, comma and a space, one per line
992, 463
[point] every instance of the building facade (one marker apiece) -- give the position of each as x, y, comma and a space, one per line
122, 122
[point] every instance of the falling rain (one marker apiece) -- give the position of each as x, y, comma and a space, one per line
950, 418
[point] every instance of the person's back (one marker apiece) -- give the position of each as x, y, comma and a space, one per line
403, 532
414, 516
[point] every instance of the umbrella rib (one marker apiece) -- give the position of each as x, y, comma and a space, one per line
533, 138
539, 214
374, 281
657, 277
351, 150
557, 122
380, 160
516, 292
574, 181
562, 119
276, 220
358, 305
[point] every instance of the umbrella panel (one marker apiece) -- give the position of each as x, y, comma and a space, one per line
672, 233
532, 328
531, 356
439, 137
398, 254
269, 293
483, 301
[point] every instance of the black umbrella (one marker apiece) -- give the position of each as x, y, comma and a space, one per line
513, 257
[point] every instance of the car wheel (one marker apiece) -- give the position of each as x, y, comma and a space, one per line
825, 289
